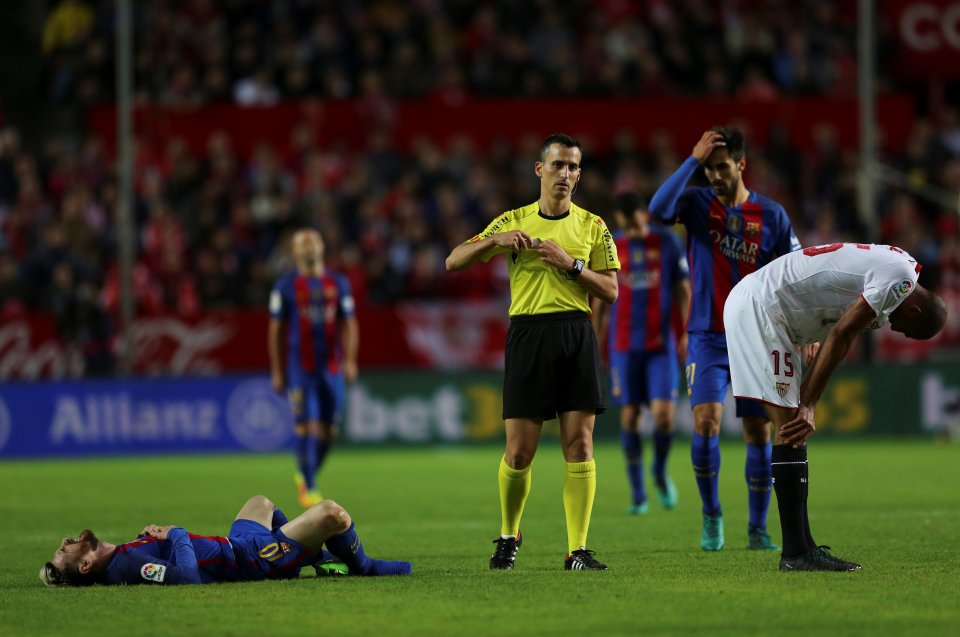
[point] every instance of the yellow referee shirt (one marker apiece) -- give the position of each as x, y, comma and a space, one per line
538, 288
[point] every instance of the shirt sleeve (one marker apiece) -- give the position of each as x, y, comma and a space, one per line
680, 270
885, 287
347, 306
787, 241
277, 302
497, 225
666, 204
603, 255
139, 567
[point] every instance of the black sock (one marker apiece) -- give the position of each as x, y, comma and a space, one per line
789, 467
806, 493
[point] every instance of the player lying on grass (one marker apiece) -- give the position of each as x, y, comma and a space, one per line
830, 294
261, 544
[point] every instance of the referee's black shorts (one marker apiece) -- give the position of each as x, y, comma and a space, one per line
552, 366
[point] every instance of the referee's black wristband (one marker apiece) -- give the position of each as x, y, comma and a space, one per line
576, 270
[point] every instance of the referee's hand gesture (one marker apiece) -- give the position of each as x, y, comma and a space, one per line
516, 240
554, 255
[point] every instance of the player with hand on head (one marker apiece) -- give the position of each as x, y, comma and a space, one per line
829, 294
558, 255
261, 544
731, 232
316, 306
642, 348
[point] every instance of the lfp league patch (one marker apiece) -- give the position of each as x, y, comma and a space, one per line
902, 289
153, 572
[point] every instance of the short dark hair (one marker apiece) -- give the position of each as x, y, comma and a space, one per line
53, 576
558, 138
629, 202
733, 138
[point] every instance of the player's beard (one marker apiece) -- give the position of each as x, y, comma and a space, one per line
87, 536
725, 189
310, 261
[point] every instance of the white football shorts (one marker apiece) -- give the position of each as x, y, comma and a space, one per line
764, 364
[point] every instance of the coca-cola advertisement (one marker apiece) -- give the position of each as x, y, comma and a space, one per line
411, 335
30, 347
927, 33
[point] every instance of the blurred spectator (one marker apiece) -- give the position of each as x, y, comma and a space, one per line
64, 35
256, 90
950, 131
86, 326
13, 293
756, 87
67, 25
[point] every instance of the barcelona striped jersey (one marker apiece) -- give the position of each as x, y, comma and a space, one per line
184, 558
251, 552
313, 307
651, 267
724, 244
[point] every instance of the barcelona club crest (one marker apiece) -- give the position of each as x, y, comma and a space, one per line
753, 228
734, 223
782, 388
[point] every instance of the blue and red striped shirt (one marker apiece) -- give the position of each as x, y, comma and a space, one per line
651, 268
313, 307
184, 558
723, 244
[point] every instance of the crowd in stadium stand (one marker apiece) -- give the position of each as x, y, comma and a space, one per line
211, 227
256, 52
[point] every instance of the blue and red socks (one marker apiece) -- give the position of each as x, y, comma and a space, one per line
661, 449
323, 448
347, 548
307, 460
759, 483
705, 457
632, 445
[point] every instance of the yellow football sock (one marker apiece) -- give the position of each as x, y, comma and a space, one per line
514, 488
579, 488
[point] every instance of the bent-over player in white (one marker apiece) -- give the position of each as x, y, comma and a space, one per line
831, 294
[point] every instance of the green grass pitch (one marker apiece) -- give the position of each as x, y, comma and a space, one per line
893, 505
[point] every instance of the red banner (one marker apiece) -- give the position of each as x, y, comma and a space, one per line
428, 335
29, 348
597, 122
218, 342
455, 335
928, 35
444, 336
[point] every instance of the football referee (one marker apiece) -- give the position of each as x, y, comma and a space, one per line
558, 255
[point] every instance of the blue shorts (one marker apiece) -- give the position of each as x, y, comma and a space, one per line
316, 397
636, 378
265, 554
708, 373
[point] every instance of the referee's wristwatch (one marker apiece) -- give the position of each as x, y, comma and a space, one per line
576, 270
